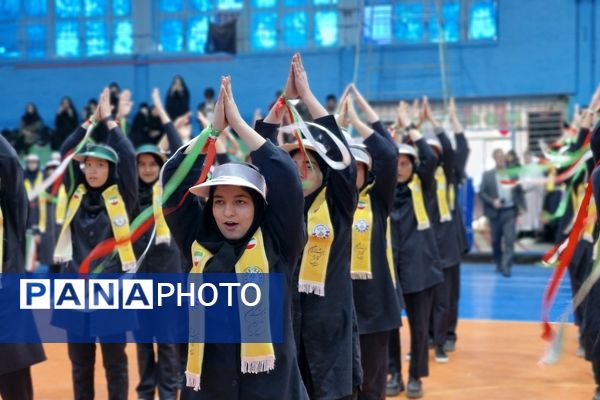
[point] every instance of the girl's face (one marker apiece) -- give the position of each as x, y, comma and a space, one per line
361, 173
96, 171
148, 168
233, 210
314, 176
405, 168
30, 109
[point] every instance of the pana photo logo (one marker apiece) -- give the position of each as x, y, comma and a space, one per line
135, 294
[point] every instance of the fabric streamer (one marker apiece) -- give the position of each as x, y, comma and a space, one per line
143, 222
563, 262
58, 173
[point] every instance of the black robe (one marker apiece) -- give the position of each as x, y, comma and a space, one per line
448, 242
460, 163
378, 305
325, 326
416, 255
91, 225
164, 257
284, 235
13, 200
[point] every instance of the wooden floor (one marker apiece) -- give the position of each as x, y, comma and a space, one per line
494, 360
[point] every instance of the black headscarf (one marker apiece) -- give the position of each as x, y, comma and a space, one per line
227, 252
92, 201
29, 118
145, 190
31, 175
324, 167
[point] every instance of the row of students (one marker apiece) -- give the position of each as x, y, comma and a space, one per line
327, 215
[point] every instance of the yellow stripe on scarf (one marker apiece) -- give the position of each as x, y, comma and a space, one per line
452, 196
550, 183
43, 211
416, 192
590, 221
1, 239
163, 235
362, 229
255, 357
313, 269
442, 195
36, 184
115, 208
389, 251
61, 205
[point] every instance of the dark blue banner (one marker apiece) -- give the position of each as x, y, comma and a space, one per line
141, 308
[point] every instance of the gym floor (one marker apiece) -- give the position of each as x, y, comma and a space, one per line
497, 353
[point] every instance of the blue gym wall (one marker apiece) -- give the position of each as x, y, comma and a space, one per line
544, 48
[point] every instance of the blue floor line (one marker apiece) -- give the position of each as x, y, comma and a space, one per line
486, 295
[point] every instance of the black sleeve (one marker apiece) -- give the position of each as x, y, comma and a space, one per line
223, 158
595, 143
341, 183
13, 200
285, 199
385, 167
427, 163
126, 168
381, 130
267, 130
173, 137
447, 155
71, 141
581, 136
183, 221
461, 156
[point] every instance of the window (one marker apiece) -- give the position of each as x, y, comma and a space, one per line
123, 37
36, 40
482, 20
67, 39
326, 28
294, 29
197, 34
264, 30
419, 21
378, 23
171, 35
449, 18
104, 26
408, 22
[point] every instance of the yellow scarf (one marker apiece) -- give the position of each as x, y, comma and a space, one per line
389, 251
576, 199
115, 208
442, 195
43, 212
255, 357
315, 257
36, 184
550, 183
61, 205
163, 235
362, 228
416, 191
590, 222
1, 239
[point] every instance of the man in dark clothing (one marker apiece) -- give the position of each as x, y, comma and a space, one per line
502, 202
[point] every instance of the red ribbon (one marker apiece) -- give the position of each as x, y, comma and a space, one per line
107, 246
564, 259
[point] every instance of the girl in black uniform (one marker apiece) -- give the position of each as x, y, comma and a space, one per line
378, 305
157, 371
262, 203
325, 319
416, 255
441, 205
15, 359
103, 199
